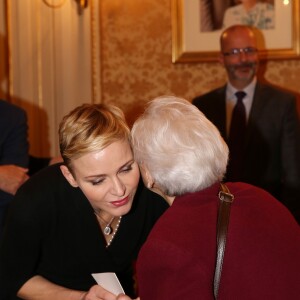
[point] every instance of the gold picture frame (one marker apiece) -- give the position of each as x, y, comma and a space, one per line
190, 45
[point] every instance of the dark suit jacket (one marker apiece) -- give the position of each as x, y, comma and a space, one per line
13, 140
272, 154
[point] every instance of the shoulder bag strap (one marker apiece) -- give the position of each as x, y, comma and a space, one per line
226, 198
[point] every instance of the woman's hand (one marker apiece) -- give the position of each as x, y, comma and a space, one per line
97, 292
39, 288
124, 297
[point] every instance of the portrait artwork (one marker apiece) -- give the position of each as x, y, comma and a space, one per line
197, 25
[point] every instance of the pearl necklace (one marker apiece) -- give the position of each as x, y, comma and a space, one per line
114, 232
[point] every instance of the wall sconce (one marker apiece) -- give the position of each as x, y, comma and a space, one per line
82, 4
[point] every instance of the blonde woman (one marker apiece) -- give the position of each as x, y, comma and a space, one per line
87, 215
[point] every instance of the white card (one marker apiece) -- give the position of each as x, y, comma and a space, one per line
110, 282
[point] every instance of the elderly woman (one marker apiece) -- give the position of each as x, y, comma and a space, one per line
183, 158
88, 215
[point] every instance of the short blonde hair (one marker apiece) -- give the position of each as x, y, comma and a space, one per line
183, 151
89, 128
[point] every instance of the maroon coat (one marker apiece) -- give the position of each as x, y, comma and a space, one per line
262, 257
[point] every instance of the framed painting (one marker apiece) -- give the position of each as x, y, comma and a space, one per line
197, 25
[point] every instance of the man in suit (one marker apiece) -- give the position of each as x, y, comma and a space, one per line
13, 153
271, 141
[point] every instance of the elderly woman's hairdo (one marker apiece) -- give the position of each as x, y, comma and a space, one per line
89, 128
183, 151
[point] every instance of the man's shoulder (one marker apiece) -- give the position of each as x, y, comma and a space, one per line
215, 94
274, 91
9, 110
9, 106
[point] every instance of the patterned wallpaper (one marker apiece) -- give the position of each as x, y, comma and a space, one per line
136, 59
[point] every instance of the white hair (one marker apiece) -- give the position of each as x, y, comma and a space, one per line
183, 151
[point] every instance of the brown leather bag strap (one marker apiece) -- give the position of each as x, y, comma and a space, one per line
226, 198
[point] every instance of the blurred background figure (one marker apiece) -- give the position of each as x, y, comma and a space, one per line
16, 165
13, 154
266, 154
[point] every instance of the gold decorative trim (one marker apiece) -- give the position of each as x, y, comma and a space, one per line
39, 58
95, 32
93, 54
9, 47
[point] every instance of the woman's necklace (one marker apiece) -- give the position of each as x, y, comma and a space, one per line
107, 228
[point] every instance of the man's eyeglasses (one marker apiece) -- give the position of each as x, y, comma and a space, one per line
237, 51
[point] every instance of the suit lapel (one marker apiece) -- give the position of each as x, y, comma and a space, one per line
256, 110
220, 111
